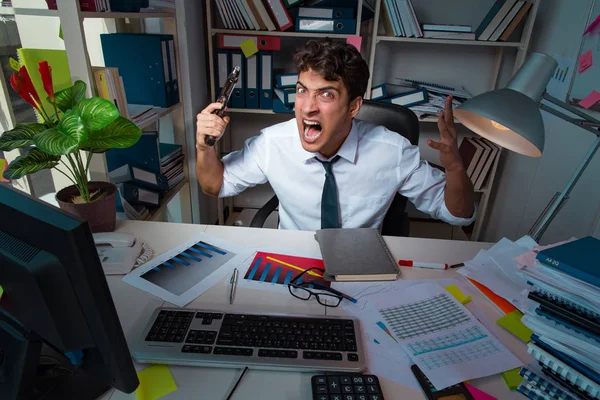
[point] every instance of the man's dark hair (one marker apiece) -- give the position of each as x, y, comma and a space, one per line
335, 61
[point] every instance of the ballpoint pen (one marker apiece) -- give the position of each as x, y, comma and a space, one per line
233, 281
332, 290
232, 80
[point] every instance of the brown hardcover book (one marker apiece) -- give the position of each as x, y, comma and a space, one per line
515, 22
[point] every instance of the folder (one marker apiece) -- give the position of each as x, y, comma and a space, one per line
326, 25
331, 13
386, 90
227, 41
144, 154
280, 13
252, 81
291, 3
173, 72
409, 99
286, 80
266, 80
238, 97
223, 68
139, 177
137, 195
287, 95
262, 14
279, 107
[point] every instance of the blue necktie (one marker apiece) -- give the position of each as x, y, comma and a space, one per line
329, 198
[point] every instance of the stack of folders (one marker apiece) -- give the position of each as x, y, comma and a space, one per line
399, 19
147, 170
339, 20
284, 93
502, 20
565, 284
255, 14
478, 155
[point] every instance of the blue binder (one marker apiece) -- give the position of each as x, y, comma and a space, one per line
238, 97
144, 154
173, 80
252, 81
326, 25
222, 64
279, 107
143, 71
286, 80
266, 80
286, 95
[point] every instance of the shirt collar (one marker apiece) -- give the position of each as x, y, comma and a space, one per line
347, 151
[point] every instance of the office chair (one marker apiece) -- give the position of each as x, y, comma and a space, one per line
395, 118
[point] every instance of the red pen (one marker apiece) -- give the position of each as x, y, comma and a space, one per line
420, 264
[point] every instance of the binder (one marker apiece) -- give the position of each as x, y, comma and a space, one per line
386, 90
409, 99
331, 13
139, 177
173, 73
279, 107
287, 95
238, 97
292, 3
286, 80
144, 154
228, 41
506, 21
280, 13
223, 67
143, 70
137, 195
252, 81
266, 80
326, 25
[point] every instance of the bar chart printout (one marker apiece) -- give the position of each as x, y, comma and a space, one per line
280, 268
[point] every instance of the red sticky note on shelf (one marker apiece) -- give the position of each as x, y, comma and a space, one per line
479, 394
592, 25
356, 41
590, 100
585, 61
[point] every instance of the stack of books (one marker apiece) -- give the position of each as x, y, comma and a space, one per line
478, 155
502, 20
399, 19
565, 285
456, 32
109, 86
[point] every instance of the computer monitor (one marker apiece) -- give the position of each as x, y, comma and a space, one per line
55, 302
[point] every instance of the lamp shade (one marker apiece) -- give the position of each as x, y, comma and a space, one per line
511, 117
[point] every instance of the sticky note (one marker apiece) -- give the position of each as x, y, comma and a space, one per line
590, 100
1, 292
248, 47
356, 41
155, 382
512, 378
479, 394
14, 64
512, 323
592, 25
458, 294
585, 61
60, 34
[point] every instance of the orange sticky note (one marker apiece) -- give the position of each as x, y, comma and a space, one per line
249, 47
355, 41
590, 100
585, 61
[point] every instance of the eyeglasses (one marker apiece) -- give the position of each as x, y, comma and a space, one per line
304, 286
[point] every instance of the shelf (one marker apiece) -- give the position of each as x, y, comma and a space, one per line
251, 111
280, 33
160, 112
87, 14
156, 212
448, 41
40, 12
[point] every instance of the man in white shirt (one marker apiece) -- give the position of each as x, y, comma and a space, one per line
329, 170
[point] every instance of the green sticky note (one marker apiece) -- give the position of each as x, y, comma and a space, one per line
14, 64
155, 382
512, 378
248, 47
60, 35
512, 323
1, 292
458, 294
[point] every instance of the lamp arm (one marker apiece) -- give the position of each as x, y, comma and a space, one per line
537, 230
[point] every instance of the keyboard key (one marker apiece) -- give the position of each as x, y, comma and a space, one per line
375, 397
360, 389
333, 383
178, 338
345, 380
199, 315
263, 353
186, 349
347, 389
362, 397
217, 316
207, 321
196, 349
370, 380
357, 380
335, 397
372, 389
352, 357
205, 349
322, 397
349, 397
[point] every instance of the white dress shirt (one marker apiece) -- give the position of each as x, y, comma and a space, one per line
374, 165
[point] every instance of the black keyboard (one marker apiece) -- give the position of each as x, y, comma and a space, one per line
346, 387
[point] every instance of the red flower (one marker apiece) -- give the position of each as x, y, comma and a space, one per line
21, 82
46, 73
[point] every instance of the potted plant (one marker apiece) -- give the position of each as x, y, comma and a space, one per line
76, 124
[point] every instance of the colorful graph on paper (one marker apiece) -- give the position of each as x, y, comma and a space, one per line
281, 268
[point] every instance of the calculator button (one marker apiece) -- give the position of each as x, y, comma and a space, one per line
323, 397
374, 397
362, 397
347, 389
334, 384
321, 380
345, 380
360, 389
372, 389
370, 380
349, 397
335, 397
322, 389
357, 380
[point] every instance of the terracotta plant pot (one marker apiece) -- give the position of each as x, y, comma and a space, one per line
100, 214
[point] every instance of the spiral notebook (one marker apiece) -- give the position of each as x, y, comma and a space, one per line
358, 254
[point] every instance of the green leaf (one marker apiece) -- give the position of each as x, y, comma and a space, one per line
36, 160
96, 112
67, 98
20, 136
65, 138
119, 134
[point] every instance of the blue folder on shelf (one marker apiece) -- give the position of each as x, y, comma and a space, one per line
286, 80
286, 95
139, 177
344, 26
144, 154
266, 80
238, 97
252, 81
279, 107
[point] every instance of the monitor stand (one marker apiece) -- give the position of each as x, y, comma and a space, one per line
28, 372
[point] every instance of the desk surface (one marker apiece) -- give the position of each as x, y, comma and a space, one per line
134, 307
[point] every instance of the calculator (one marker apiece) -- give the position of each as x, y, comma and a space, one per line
454, 392
346, 387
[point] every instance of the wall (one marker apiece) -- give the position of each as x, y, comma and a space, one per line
524, 185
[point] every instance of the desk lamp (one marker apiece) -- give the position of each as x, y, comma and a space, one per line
511, 118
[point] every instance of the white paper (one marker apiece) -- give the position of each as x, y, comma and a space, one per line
446, 341
180, 283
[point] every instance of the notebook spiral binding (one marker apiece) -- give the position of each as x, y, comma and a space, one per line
567, 304
435, 85
537, 387
387, 251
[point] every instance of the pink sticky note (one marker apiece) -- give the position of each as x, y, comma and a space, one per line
585, 61
356, 41
592, 25
590, 100
479, 394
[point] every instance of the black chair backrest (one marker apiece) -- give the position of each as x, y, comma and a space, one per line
404, 122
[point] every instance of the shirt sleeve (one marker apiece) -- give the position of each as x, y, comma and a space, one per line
424, 186
245, 168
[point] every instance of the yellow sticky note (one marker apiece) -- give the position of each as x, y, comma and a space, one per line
248, 47
512, 323
458, 294
155, 382
14, 64
512, 378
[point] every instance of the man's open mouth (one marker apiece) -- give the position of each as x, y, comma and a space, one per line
312, 130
